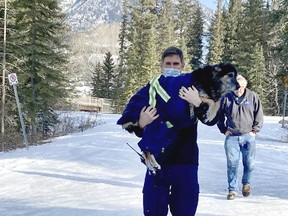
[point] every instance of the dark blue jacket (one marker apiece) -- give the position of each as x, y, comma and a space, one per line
177, 144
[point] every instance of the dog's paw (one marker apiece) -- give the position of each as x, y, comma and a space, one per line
212, 110
192, 113
151, 162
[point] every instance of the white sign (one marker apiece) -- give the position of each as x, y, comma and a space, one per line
12, 79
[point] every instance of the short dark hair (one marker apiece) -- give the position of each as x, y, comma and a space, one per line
173, 51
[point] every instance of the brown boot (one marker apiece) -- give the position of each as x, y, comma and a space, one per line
246, 190
231, 195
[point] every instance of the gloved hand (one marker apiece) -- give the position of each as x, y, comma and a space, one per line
150, 162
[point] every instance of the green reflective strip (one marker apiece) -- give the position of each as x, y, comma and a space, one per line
152, 92
155, 87
169, 125
152, 96
163, 94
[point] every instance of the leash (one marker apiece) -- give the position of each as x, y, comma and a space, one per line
141, 156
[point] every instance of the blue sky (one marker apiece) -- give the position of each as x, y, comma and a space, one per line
209, 3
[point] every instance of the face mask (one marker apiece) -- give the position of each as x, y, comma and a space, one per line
171, 72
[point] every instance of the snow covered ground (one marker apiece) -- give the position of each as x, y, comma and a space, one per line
94, 173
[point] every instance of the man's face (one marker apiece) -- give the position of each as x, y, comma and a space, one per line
239, 92
172, 61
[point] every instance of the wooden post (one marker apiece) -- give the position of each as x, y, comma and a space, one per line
4, 79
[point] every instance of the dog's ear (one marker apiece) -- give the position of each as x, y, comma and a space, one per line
216, 69
224, 68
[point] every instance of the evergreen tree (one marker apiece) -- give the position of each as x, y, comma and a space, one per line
108, 77
1, 30
184, 12
195, 34
283, 47
231, 21
272, 58
166, 26
282, 74
38, 43
98, 81
123, 35
10, 115
142, 57
250, 56
119, 93
216, 42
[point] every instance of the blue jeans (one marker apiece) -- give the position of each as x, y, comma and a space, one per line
234, 145
175, 186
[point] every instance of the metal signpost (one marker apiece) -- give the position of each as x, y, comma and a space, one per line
285, 99
284, 106
14, 81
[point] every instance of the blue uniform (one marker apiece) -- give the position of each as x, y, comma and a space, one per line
172, 139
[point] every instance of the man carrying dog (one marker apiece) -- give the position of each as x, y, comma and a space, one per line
174, 181
244, 118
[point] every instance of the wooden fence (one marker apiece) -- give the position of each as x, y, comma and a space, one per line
94, 104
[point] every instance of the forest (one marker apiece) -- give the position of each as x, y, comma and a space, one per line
36, 43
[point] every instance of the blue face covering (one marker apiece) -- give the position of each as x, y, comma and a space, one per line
171, 72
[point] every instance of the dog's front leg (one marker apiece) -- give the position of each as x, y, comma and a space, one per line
213, 108
151, 162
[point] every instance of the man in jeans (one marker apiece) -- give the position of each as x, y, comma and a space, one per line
243, 113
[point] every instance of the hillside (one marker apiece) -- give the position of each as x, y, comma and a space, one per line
83, 14
95, 28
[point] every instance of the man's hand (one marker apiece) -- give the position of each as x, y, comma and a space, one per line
151, 162
227, 133
252, 133
191, 95
147, 116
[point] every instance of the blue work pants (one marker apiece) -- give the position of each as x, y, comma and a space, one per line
175, 186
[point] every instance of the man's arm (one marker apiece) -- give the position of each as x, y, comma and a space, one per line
258, 115
221, 117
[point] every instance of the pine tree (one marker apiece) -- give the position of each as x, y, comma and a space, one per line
231, 21
119, 93
142, 57
98, 81
272, 58
38, 44
1, 30
216, 42
250, 53
123, 35
195, 34
282, 74
184, 12
108, 77
166, 26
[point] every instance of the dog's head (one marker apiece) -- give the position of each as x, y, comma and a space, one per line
214, 81
226, 75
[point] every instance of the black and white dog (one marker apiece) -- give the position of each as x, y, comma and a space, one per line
213, 82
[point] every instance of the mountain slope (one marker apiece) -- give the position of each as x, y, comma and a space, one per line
82, 14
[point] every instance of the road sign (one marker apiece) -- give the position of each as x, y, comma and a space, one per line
12, 79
